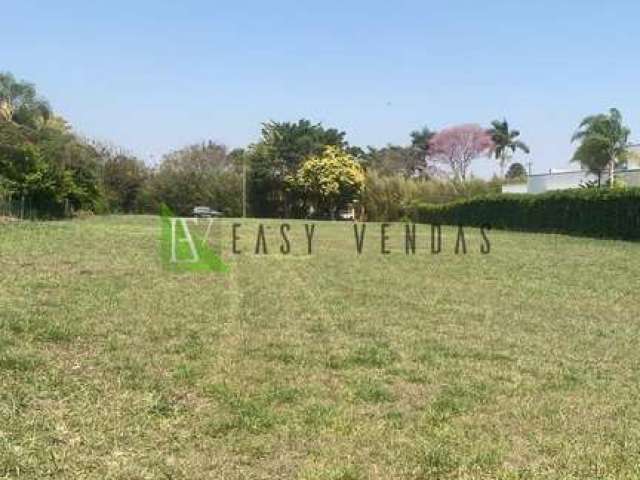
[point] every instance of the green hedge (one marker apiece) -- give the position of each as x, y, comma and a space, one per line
592, 212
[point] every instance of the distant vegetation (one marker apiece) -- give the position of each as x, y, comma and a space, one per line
516, 172
505, 143
294, 170
604, 144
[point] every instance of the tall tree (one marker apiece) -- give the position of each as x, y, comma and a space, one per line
200, 174
47, 170
123, 179
47, 166
409, 160
506, 143
329, 180
282, 148
394, 160
20, 103
592, 155
455, 147
420, 145
604, 142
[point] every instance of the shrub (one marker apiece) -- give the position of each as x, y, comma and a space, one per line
610, 213
393, 197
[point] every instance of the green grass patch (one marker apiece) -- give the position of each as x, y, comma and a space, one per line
518, 364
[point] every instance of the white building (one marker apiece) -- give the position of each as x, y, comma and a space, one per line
564, 179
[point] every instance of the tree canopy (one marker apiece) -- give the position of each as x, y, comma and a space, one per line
455, 147
199, 174
282, 148
293, 170
516, 171
408, 160
604, 143
326, 181
20, 103
48, 168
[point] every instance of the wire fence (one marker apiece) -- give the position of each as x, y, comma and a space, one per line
23, 208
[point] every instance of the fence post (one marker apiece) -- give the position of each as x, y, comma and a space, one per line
22, 208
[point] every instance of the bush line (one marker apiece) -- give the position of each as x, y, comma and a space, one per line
602, 213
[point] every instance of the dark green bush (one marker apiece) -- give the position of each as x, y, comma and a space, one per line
607, 213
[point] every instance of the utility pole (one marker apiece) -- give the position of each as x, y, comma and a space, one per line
244, 187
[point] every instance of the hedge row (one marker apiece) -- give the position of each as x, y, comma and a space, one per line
606, 213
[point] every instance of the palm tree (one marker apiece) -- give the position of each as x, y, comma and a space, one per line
19, 102
505, 142
604, 142
593, 156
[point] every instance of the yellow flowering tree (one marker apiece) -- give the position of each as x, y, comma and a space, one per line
328, 181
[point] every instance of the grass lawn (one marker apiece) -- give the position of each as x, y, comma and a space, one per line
523, 363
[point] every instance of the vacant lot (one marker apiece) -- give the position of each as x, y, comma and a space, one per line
523, 363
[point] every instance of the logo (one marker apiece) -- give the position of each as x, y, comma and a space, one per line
187, 246
183, 249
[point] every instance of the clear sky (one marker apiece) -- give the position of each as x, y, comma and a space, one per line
154, 75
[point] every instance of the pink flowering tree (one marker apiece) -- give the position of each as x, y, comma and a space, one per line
455, 148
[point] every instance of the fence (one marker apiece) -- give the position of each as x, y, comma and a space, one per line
24, 208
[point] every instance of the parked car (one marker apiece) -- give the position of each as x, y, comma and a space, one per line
205, 212
347, 212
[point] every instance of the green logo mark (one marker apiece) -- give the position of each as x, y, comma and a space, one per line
186, 250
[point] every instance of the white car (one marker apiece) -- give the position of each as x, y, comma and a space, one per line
205, 212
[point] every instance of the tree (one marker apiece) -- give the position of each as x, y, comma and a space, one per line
73, 154
420, 139
394, 160
516, 171
39, 184
409, 161
20, 103
604, 142
593, 155
199, 174
49, 167
282, 148
124, 178
329, 180
455, 147
237, 159
420, 146
505, 142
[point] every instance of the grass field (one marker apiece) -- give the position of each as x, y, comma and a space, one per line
523, 363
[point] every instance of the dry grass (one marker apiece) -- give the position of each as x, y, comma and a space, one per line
4, 219
518, 364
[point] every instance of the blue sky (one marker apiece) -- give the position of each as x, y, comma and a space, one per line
151, 76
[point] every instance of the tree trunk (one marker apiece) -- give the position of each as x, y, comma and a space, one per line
611, 170
285, 199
